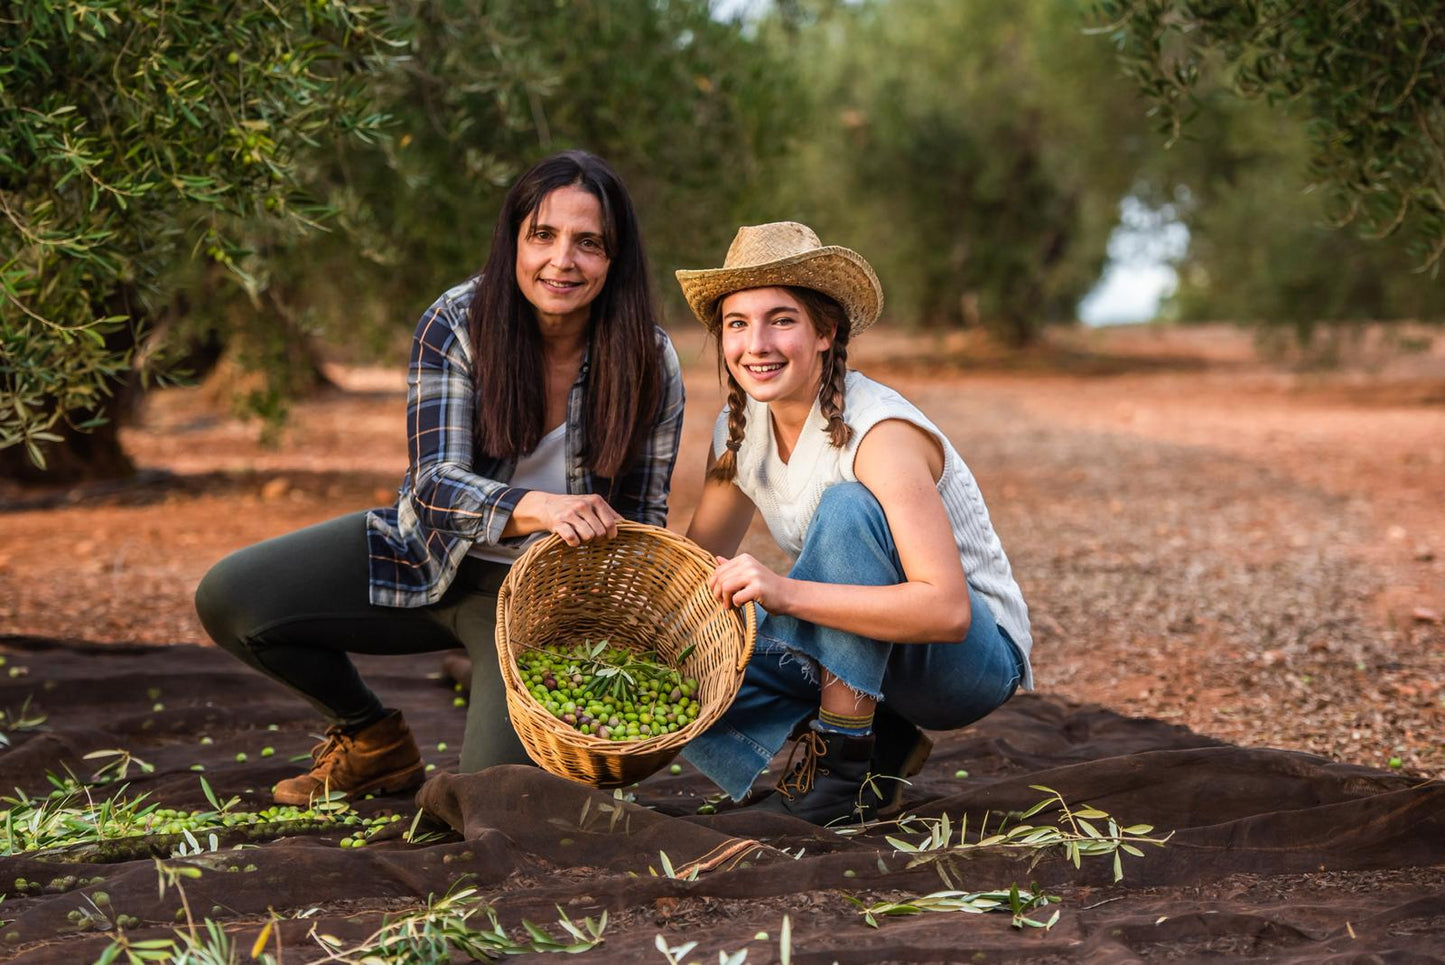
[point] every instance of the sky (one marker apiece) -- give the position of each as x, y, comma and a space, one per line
1128, 293
1139, 274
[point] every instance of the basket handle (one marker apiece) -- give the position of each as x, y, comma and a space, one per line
750, 634
503, 631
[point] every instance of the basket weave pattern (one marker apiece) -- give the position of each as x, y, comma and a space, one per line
645, 589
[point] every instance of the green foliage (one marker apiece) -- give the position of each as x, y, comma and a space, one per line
434, 933
1017, 902
118, 764
1367, 77
1075, 832
974, 152
19, 721
134, 135
69, 817
444, 927
181, 130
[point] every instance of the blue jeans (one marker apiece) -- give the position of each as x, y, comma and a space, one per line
938, 686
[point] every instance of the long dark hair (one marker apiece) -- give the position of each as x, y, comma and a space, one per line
625, 376
827, 318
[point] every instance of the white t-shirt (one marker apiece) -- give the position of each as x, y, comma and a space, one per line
544, 469
787, 494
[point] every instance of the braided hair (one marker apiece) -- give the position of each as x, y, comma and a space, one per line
826, 316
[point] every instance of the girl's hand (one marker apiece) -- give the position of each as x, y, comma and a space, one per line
743, 579
578, 519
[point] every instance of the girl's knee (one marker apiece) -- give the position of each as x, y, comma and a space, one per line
849, 534
850, 501
849, 509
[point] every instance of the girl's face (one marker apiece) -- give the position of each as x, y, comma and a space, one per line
562, 261
770, 346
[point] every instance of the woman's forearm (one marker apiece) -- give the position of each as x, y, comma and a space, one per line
528, 516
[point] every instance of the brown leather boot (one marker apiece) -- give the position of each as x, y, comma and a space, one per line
380, 758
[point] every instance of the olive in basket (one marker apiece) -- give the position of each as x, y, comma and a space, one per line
608, 692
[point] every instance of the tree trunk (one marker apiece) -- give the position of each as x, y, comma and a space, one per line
1015, 330
290, 367
97, 454
79, 456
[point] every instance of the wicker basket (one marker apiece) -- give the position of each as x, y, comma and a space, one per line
645, 589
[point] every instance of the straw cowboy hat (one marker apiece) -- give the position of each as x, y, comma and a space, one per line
787, 253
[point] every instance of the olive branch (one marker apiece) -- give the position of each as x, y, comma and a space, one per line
1074, 832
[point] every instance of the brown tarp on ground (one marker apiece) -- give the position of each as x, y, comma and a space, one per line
1276, 856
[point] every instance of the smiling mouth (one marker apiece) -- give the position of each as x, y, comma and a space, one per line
560, 286
765, 368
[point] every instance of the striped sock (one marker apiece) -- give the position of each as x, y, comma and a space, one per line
855, 725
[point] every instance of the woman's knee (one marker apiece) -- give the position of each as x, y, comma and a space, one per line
321, 568
220, 599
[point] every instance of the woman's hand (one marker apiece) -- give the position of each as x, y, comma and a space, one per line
580, 519
743, 579
577, 519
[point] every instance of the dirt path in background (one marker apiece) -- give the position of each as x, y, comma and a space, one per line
1201, 538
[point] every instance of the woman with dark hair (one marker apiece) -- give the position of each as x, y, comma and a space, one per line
542, 398
900, 611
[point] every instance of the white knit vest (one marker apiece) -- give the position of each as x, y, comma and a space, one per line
787, 494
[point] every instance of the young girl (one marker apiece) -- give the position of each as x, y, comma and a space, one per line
901, 610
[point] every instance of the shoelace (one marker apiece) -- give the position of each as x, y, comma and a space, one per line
800, 778
328, 752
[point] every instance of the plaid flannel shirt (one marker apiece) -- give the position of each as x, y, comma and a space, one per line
452, 497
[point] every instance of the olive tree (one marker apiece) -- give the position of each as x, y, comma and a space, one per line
1260, 250
135, 134
1366, 76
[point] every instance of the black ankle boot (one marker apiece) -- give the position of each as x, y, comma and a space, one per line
899, 752
832, 783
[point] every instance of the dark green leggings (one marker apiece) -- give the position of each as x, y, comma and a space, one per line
293, 607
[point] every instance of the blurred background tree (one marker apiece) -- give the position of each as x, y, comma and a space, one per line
1288, 121
976, 152
694, 112
1262, 251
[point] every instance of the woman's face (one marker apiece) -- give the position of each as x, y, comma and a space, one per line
562, 261
770, 346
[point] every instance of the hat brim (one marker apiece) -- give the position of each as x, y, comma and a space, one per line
837, 272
